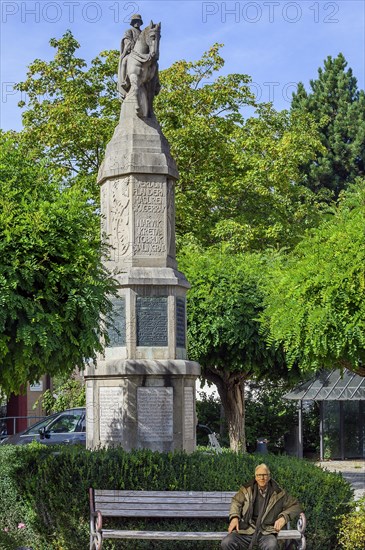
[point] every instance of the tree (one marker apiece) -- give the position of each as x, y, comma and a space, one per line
266, 206
71, 111
53, 287
223, 328
339, 108
66, 394
315, 295
239, 180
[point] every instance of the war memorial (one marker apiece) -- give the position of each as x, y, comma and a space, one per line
141, 391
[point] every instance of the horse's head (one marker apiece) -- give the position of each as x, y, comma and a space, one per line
152, 35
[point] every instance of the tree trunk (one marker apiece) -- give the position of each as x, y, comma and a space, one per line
222, 422
231, 392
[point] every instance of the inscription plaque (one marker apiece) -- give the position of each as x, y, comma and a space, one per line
149, 205
180, 323
189, 413
152, 321
111, 414
117, 333
155, 414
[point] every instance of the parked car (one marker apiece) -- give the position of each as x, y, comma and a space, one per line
66, 427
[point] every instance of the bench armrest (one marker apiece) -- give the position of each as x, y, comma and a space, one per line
96, 524
302, 523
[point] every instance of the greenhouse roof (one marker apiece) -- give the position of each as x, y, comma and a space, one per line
330, 386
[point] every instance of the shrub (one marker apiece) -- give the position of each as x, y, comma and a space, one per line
16, 514
352, 528
52, 487
65, 395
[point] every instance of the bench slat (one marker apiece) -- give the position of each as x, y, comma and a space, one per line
146, 506
132, 492
184, 535
161, 500
141, 508
166, 513
163, 495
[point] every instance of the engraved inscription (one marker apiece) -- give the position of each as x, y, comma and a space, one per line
117, 332
149, 236
189, 413
152, 321
149, 207
155, 414
171, 248
110, 414
180, 323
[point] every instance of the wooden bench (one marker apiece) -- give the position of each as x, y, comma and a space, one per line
165, 505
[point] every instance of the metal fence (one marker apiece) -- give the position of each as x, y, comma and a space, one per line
4, 423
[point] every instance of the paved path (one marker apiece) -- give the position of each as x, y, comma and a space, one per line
352, 470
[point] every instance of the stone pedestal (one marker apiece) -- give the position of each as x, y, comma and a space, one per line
142, 404
141, 393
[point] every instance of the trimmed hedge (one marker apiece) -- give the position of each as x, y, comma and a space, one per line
47, 490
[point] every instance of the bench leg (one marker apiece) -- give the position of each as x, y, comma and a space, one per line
96, 541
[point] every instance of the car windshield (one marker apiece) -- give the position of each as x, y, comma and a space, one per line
58, 423
42, 424
65, 423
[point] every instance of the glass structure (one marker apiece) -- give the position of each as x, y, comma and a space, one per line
341, 397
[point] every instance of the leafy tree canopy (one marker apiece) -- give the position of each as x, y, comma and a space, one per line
239, 179
71, 111
224, 336
53, 286
224, 303
338, 106
315, 295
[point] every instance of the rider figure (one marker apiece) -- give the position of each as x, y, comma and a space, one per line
127, 44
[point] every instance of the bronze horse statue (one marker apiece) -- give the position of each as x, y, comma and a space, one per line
142, 82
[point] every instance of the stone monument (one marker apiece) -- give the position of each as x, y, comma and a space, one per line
141, 392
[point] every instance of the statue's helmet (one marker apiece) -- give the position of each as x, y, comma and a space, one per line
136, 17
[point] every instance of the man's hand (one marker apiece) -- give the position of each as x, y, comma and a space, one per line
279, 524
233, 526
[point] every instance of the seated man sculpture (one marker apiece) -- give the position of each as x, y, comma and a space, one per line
258, 512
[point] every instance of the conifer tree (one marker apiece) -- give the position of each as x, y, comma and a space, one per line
339, 107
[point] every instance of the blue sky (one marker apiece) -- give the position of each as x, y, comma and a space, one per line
278, 43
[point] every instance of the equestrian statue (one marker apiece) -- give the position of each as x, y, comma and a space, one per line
138, 65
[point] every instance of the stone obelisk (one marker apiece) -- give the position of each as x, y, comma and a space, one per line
141, 392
